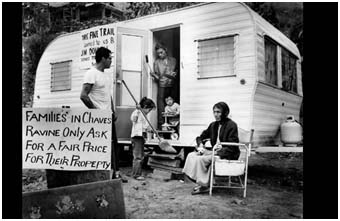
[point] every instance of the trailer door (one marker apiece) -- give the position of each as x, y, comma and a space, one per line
131, 67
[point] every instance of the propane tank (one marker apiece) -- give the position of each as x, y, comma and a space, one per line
291, 132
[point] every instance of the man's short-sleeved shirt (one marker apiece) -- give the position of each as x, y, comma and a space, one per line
100, 93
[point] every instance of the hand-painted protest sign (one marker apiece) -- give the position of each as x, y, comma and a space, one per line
93, 38
66, 139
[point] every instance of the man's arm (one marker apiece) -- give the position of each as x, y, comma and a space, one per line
114, 117
84, 96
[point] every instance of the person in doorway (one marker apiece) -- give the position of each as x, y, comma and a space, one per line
165, 74
138, 134
96, 93
198, 163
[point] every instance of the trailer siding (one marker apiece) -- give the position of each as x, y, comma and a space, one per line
271, 106
61, 49
268, 110
197, 96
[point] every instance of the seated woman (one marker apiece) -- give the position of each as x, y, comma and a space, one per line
197, 165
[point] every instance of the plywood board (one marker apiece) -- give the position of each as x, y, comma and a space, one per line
98, 200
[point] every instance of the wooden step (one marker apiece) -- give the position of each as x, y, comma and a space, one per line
171, 163
166, 168
163, 156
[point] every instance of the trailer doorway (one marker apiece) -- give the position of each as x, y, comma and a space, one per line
170, 38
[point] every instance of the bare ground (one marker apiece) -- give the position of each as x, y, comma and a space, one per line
274, 191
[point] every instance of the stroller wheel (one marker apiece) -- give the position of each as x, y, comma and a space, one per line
174, 136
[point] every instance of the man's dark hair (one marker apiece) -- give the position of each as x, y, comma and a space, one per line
223, 107
102, 52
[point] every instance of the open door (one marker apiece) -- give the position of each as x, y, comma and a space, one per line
132, 46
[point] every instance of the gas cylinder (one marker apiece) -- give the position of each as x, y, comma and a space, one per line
291, 132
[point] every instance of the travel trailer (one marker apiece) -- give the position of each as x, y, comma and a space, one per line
224, 52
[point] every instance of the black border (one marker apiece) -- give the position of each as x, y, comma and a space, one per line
320, 86
320, 110
11, 110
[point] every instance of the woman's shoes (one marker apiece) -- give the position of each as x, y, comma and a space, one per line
199, 190
196, 187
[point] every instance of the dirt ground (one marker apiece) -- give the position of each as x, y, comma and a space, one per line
274, 191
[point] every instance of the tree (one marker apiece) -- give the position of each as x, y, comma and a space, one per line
138, 9
34, 47
285, 16
36, 36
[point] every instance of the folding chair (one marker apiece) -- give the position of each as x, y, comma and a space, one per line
231, 168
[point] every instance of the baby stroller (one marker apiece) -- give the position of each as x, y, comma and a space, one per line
171, 125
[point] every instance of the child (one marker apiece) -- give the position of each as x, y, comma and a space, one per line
138, 132
172, 108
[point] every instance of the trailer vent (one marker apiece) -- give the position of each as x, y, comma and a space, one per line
61, 76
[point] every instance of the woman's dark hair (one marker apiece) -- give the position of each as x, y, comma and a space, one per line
223, 107
160, 45
147, 103
102, 52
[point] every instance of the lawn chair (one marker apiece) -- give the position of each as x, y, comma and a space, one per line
231, 168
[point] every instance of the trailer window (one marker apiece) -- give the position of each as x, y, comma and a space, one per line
289, 76
216, 57
270, 61
61, 76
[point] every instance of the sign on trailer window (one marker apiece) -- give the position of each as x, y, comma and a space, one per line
91, 40
66, 139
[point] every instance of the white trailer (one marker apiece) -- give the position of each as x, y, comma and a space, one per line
225, 52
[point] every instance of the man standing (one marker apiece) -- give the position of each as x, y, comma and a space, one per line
96, 93
165, 74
